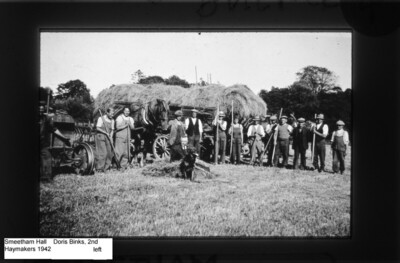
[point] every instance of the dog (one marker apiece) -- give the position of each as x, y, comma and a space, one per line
187, 164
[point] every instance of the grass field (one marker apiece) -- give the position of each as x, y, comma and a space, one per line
242, 201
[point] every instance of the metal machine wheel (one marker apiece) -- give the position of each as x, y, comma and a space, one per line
83, 153
160, 147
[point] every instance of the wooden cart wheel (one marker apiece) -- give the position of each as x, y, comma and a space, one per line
160, 147
84, 155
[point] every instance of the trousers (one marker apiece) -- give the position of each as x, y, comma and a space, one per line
282, 148
103, 152
319, 153
338, 161
194, 141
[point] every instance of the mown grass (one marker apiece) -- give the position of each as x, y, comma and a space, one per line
242, 201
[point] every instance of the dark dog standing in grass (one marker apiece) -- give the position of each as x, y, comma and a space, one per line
187, 164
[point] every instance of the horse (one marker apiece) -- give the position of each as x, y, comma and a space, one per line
150, 119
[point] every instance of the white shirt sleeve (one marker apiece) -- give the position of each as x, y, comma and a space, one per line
346, 138
290, 128
187, 123
112, 124
325, 130
223, 125
200, 126
99, 122
333, 136
250, 131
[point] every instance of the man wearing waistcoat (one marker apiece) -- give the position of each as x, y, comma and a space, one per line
282, 141
300, 144
256, 131
175, 137
194, 130
103, 139
321, 130
124, 123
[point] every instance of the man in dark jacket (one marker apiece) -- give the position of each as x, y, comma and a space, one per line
300, 144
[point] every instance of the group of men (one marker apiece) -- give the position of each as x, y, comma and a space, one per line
271, 137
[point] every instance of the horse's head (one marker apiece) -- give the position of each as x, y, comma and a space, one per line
161, 110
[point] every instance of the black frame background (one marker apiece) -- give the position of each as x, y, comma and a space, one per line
376, 79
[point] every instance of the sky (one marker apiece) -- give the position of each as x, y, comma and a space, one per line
259, 60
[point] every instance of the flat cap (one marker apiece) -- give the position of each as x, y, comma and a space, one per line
301, 120
340, 122
194, 110
273, 118
221, 114
284, 117
257, 118
178, 113
320, 116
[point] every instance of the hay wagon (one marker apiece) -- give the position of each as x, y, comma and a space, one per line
80, 156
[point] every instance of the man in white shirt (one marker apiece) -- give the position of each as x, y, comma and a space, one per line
221, 126
283, 131
194, 130
256, 131
124, 123
340, 142
321, 131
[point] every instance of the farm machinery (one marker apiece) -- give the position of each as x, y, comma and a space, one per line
79, 154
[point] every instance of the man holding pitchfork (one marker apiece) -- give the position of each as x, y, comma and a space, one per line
320, 131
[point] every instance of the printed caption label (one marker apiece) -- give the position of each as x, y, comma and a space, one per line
58, 248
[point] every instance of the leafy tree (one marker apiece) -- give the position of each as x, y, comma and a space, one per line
293, 99
73, 89
74, 97
175, 80
318, 79
151, 80
137, 76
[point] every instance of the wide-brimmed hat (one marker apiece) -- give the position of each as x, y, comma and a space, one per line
301, 120
194, 110
320, 116
221, 114
178, 113
273, 118
340, 123
284, 117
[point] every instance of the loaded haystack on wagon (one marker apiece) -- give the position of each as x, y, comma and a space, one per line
203, 98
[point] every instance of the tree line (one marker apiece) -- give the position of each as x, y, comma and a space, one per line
315, 91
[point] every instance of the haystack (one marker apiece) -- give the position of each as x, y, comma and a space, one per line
245, 102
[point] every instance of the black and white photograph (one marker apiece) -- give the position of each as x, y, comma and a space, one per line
195, 134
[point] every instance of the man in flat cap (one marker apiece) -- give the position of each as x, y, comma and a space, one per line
256, 131
282, 141
194, 130
270, 131
321, 131
340, 141
175, 137
300, 144
221, 124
